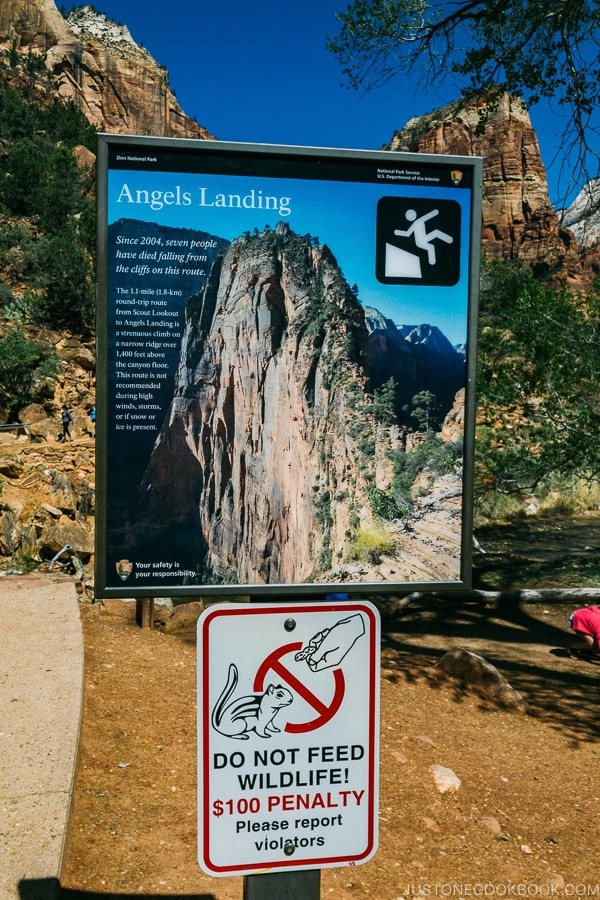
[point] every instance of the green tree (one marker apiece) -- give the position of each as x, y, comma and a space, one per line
425, 409
384, 405
66, 292
533, 48
539, 371
437, 456
23, 363
23, 176
385, 505
61, 195
24, 116
39, 179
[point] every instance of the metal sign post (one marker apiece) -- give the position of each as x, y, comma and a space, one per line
288, 738
147, 612
283, 886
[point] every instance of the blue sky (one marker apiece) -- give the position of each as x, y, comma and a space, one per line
259, 72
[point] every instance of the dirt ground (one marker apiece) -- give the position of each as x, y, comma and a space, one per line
525, 818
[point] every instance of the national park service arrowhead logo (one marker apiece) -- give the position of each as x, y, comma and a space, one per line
124, 569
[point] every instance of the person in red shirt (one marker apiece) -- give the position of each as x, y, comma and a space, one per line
586, 625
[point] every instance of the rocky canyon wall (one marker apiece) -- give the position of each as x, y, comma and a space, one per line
265, 412
518, 218
97, 64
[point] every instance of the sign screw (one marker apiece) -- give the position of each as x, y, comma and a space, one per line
288, 849
289, 624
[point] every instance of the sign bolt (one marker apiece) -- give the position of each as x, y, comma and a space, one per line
289, 624
288, 849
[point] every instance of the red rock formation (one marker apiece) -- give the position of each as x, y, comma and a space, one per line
453, 427
31, 24
118, 85
262, 418
519, 220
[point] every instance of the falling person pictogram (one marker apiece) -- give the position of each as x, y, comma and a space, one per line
424, 239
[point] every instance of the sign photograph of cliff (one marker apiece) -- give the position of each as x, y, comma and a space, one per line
287, 389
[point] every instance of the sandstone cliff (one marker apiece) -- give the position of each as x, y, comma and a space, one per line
583, 218
32, 24
97, 64
262, 416
519, 220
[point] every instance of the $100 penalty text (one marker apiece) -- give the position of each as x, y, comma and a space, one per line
287, 802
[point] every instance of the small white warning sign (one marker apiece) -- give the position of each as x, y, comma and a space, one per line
288, 736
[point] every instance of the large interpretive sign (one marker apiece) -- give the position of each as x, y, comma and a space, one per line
286, 345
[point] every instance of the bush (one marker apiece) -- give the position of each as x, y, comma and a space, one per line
15, 308
370, 544
6, 295
61, 123
19, 252
24, 176
323, 510
66, 298
439, 457
61, 195
38, 179
385, 505
23, 362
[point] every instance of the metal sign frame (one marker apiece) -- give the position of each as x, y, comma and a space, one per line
403, 229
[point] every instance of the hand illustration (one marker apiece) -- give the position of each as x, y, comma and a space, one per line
328, 647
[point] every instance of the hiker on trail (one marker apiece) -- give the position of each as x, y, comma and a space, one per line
92, 415
586, 625
66, 418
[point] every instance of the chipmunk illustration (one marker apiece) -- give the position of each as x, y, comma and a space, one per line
253, 712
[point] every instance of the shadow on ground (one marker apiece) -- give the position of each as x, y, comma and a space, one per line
525, 641
50, 889
302, 885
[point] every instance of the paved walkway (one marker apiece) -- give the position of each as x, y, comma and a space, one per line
41, 698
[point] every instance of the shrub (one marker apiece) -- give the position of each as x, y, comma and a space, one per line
38, 179
370, 544
61, 123
323, 510
6, 295
23, 362
440, 457
60, 198
24, 174
385, 506
16, 309
66, 298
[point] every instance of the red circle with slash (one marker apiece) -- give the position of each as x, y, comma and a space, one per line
325, 712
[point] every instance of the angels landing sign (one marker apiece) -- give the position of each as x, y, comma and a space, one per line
286, 368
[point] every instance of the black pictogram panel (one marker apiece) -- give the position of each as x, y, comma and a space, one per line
418, 241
